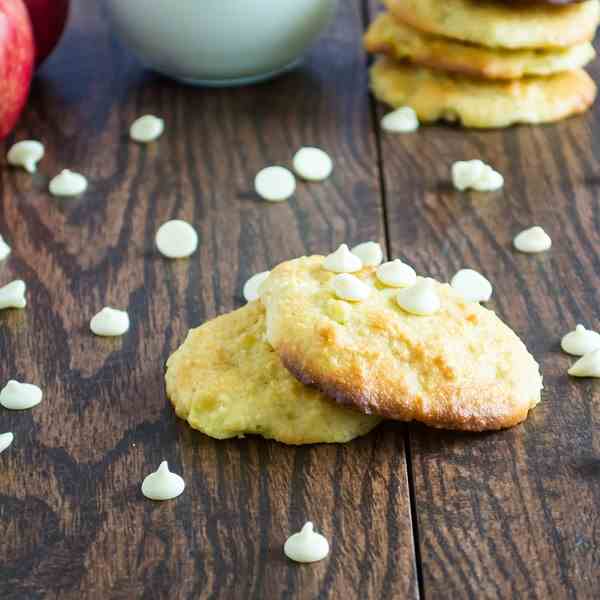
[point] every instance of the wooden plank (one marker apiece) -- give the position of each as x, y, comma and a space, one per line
510, 514
73, 523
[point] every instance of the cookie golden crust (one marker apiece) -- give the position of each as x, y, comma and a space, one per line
461, 368
227, 382
496, 24
397, 40
436, 95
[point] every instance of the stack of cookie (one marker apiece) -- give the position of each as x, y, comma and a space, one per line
332, 346
485, 63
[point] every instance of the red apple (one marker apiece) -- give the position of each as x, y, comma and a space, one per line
17, 53
48, 18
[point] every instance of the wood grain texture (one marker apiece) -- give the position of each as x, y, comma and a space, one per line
512, 514
73, 523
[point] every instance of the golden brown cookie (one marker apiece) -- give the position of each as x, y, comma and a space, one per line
227, 381
491, 23
397, 40
436, 95
461, 368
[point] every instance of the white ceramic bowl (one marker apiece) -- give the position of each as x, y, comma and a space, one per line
220, 42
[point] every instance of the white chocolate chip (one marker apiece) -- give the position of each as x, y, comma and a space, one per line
475, 174
401, 120
110, 322
351, 288
306, 546
396, 274
68, 183
342, 261
176, 239
162, 484
275, 184
20, 396
581, 341
13, 295
252, 286
532, 240
421, 299
587, 366
4, 249
312, 164
26, 154
370, 253
472, 286
6, 439
146, 129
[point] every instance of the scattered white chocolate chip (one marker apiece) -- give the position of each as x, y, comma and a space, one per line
342, 261
472, 286
252, 286
146, 129
68, 183
351, 288
475, 174
396, 274
532, 240
401, 120
6, 439
587, 366
370, 253
176, 239
162, 484
13, 295
420, 299
4, 249
20, 396
275, 184
306, 546
110, 322
312, 164
581, 341
26, 154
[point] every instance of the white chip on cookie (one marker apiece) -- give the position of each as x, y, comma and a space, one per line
532, 240
275, 184
370, 253
420, 299
26, 154
176, 239
252, 286
342, 261
12, 295
146, 129
68, 183
472, 286
395, 273
401, 120
312, 164
476, 175
580, 341
110, 322
350, 288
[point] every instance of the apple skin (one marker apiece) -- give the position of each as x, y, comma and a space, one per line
48, 18
17, 54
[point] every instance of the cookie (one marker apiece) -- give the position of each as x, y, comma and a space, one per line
436, 95
397, 40
460, 368
501, 25
226, 381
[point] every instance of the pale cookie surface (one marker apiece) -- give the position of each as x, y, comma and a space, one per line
176, 239
162, 484
499, 24
226, 381
400, 41
312, 164
20, 396
275, 184
460, 368
307, 545
68, 183
146, 129
26, 154
435, 95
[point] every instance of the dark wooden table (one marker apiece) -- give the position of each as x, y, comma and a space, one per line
410, 512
